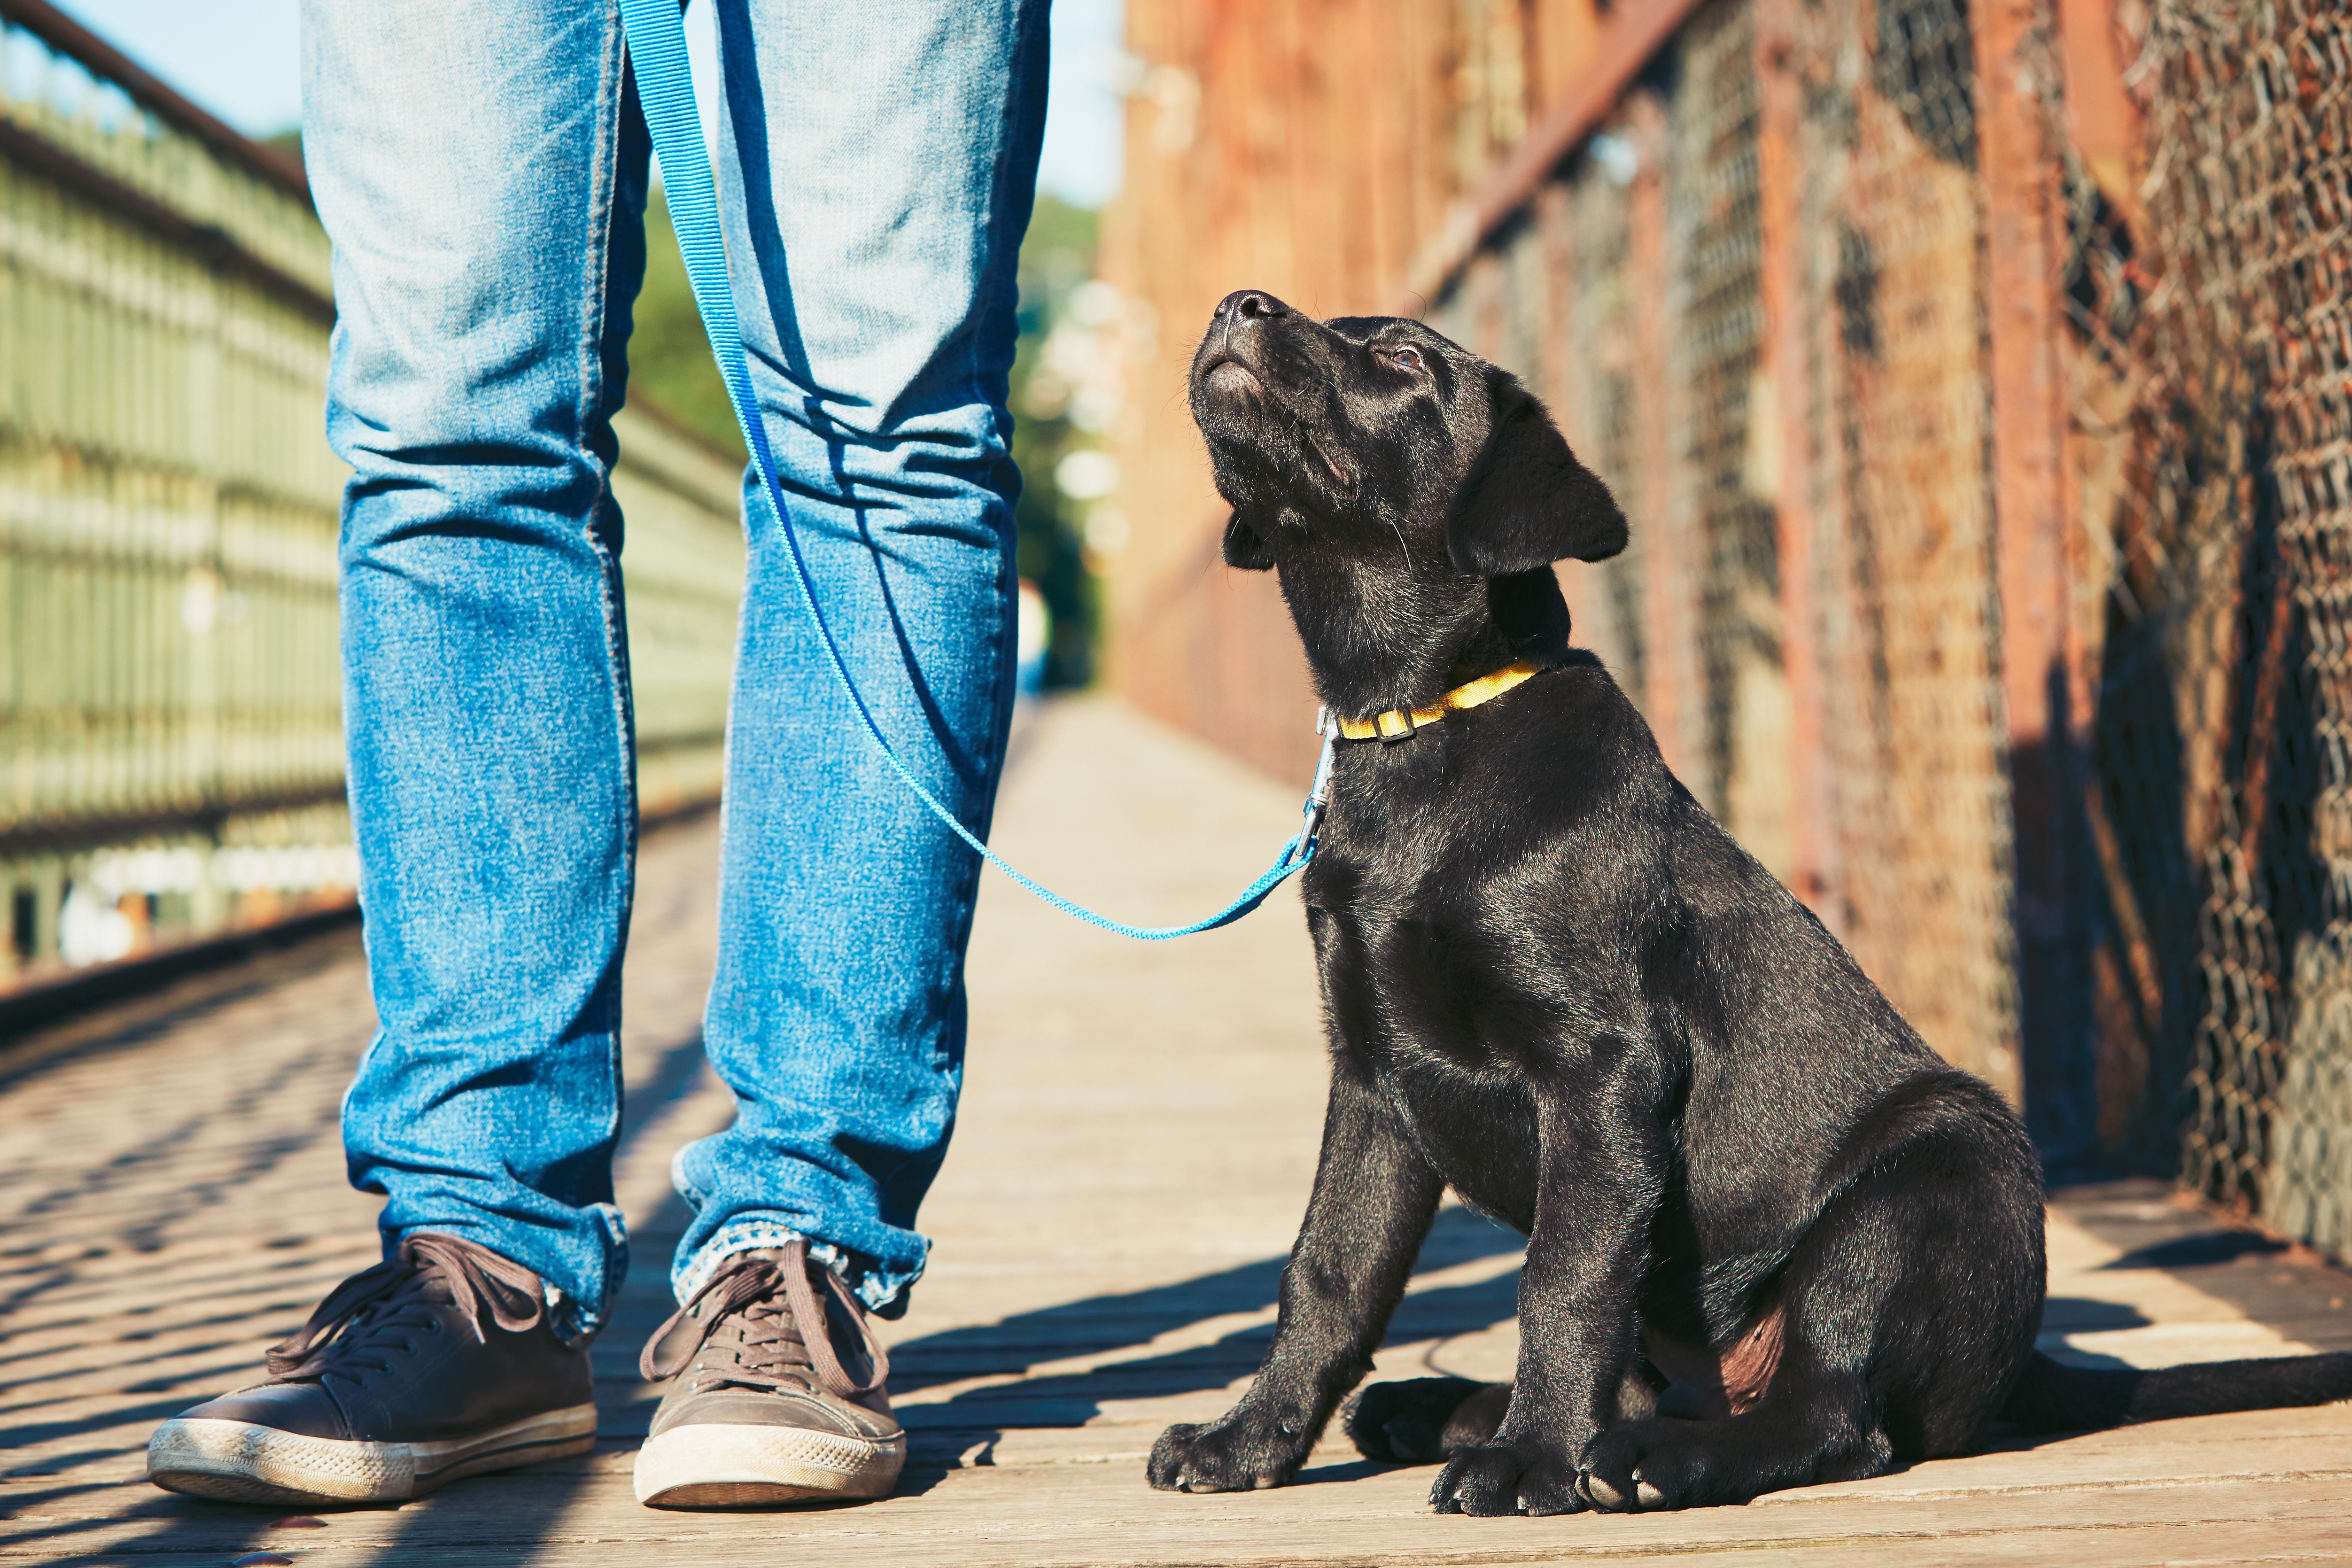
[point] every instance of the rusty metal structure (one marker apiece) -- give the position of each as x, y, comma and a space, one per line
170, 747
1979, 380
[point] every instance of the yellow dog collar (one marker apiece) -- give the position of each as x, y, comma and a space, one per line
1398, 723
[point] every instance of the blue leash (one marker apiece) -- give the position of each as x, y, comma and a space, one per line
656, 38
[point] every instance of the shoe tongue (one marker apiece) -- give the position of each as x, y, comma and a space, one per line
430, 1283
450, 1271
776, 1255
428, 1277
759, 1351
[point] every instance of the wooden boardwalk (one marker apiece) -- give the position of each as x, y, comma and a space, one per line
1138, 1133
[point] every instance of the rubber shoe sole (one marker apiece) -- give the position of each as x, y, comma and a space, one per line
705, 1464
238, 1461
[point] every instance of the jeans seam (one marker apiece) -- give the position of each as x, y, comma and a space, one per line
604, 181
1016, 111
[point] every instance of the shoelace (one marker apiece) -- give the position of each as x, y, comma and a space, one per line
355, 1326
783, 1337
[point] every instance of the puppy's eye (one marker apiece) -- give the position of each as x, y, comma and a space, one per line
1403, 358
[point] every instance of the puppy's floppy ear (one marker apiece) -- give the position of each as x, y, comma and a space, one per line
1245, 547
1528, 502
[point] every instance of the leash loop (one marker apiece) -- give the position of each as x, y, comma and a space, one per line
656, 40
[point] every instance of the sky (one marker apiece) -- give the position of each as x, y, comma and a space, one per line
240, 59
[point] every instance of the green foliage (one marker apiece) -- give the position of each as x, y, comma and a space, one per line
1056, 258
670, 356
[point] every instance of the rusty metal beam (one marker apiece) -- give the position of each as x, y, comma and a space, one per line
2102, 121
2024, 257
1673, 697
1635, 32
1780, 187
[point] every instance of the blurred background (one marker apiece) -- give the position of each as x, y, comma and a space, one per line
1978, 378
171, 766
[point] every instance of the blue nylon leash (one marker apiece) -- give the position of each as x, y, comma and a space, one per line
656, 39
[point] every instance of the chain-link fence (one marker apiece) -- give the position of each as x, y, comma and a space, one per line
2219, 337
2093, 835
1895, 823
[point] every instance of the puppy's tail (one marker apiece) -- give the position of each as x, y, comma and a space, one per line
2054, 1397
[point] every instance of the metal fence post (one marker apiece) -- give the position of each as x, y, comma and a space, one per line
1786, 433
2021, 171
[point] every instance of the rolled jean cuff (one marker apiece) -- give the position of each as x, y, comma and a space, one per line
878, 1290
573, 1317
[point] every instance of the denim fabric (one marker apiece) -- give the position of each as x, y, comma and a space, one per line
481, 169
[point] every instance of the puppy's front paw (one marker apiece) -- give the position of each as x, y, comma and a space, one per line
1504, 1477
1619, 1472
1237, 1454
1654, 1465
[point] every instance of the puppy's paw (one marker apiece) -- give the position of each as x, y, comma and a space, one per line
1621, 1469
1237, 1454
1652, 1466
1414, 1422
1522, 1477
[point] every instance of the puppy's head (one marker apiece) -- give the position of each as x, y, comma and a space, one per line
1373, 437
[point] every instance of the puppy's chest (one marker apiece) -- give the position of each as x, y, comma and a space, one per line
1408, 1003
1407, 979
1416, 986
1434, 1004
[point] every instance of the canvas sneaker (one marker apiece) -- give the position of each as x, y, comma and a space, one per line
435, 1363
778, 1393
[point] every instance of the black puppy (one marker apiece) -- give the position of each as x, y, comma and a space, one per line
1772, 1238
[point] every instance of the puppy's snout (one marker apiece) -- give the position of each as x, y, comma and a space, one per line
1250, 304
1237, 353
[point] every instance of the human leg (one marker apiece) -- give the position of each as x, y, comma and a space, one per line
479, 173
484, 184
875, 177
876, 166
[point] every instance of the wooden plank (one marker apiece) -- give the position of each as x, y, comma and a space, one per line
1091, 1514
1138, 1135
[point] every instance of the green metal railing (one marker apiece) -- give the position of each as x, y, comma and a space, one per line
170, 754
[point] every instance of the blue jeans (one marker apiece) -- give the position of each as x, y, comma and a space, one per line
482, 168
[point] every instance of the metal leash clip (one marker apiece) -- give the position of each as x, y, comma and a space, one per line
1320, 796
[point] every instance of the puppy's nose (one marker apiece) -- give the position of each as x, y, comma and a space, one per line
1247, 303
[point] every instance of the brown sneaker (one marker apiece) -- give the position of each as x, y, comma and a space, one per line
763, 1410
396, 1384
